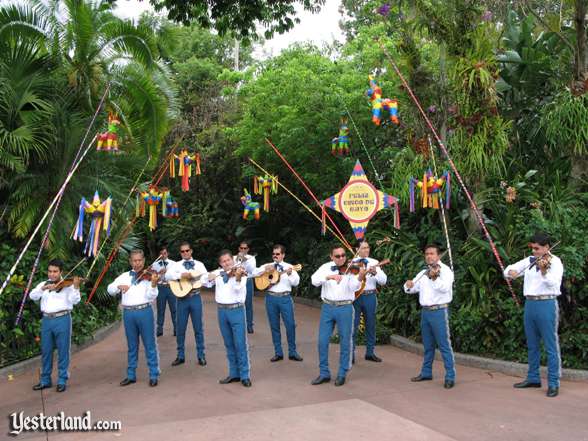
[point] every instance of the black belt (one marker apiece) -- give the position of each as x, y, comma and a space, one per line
230, 305
52, 315
368, 292
136, 307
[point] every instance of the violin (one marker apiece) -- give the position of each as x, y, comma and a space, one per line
146, 274
350, 268
64, 283
543, 263
433, 271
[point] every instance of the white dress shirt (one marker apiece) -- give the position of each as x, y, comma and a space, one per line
330, 289
174, 272
138, 294
227, 293
53, 301
537, 284
433, 292
250, 264
379, 278
286, 282
159, 265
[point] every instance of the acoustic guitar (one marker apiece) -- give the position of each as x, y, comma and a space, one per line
362, 288
271, 277
182, 287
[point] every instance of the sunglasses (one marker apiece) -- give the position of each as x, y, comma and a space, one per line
276, 254
185, 251
338, 256
243, 248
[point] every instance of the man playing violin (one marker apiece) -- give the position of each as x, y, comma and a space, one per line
249, 263
367, 302
338, 285
434, 285
230, 292
57, 302
189, 305
543, 273
165, 295
138, 289
278, 302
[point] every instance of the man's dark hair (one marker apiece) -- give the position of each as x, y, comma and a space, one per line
541, 238
280, 247
336, 247
184, 243
223, 253
57, 263
432, 245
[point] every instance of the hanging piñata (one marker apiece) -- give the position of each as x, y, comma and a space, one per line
432, 189
188, 164
359, 201
340, 144
152, 198
265, 185
100, 215
249, 207
169, 207
109, 139
374, 93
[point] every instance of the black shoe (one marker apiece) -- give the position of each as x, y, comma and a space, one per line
246, 382
228, 380
153, 382
41, 386
159, 333
178, 361
552, 392
340, 381
295, 357
373, 357
420, 378
126, 382
61, 388
320, 380
202, 361
525, 384
276, 358
449, 384
249, 330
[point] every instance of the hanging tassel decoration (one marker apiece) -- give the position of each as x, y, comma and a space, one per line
197, 159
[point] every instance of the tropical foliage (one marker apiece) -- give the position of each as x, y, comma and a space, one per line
503, 89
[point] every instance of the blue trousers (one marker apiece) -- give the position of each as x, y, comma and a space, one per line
366, 304
164, 296
249, 304
541, 323
435, 332
342, 316
55, 332
276, 307
141, 323
190, 306
233, 328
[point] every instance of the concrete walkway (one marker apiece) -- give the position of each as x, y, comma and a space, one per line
377, 403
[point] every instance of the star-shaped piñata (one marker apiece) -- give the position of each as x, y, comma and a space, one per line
359, 201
